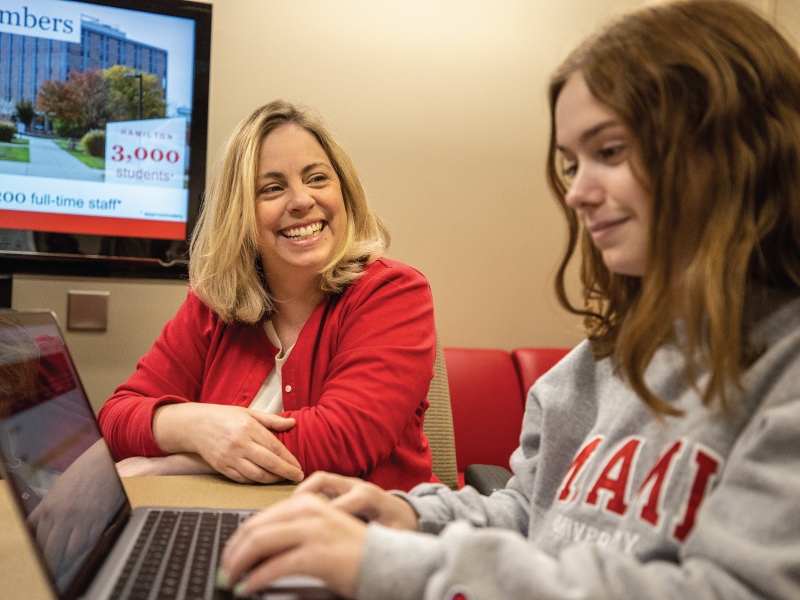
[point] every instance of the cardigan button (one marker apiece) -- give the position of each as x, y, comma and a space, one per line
288, 388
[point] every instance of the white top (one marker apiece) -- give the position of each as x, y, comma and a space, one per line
269, 398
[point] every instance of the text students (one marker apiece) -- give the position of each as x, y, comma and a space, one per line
660, 458
299, 348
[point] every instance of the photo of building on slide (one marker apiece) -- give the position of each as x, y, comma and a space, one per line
57, 97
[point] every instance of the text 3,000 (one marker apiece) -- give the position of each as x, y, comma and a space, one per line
156, 154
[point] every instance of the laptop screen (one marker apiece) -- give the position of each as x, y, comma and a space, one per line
53, 455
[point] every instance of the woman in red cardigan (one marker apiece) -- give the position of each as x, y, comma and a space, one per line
299, 348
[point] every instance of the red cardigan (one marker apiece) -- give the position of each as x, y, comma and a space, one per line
356, 381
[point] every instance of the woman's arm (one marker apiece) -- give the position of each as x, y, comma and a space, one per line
173, 464
170, 373
371, 401
746, 543
234, 440
157, 411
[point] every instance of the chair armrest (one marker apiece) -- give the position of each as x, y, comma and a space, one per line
486, 478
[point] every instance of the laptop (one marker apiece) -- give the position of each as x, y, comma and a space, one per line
88, 541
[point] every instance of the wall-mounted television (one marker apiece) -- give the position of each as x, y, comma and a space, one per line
103, 131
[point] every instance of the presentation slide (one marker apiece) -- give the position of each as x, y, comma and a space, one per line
95, 136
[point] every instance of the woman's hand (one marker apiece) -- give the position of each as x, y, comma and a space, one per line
304, 535
361, 499
172, 464
235, 441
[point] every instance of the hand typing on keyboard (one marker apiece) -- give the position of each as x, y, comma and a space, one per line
304, 535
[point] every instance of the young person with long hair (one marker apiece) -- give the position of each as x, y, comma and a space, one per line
299, 347
660, 458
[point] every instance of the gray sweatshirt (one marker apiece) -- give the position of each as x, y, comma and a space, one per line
608, 502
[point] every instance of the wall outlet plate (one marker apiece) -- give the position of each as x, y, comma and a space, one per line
87, 310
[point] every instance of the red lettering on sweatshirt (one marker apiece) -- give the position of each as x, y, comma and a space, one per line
651, 511
706, 466
578, 464
614, 479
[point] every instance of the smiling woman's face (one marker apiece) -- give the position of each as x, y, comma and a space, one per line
300, 209
603, 191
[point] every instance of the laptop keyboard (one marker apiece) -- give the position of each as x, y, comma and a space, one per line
157, 566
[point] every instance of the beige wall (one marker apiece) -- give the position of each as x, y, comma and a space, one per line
442, 105
137, 310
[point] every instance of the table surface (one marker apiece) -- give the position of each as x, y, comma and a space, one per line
20, 576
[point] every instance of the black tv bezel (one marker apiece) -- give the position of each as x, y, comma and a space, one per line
171, 265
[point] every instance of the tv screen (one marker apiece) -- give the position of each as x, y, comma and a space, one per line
103, 127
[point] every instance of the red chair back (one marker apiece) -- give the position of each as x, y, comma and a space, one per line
485, 400
532, 363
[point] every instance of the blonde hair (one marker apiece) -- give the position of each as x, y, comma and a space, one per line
225, 267
711, 95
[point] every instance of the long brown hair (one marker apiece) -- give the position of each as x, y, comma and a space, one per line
710, 92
